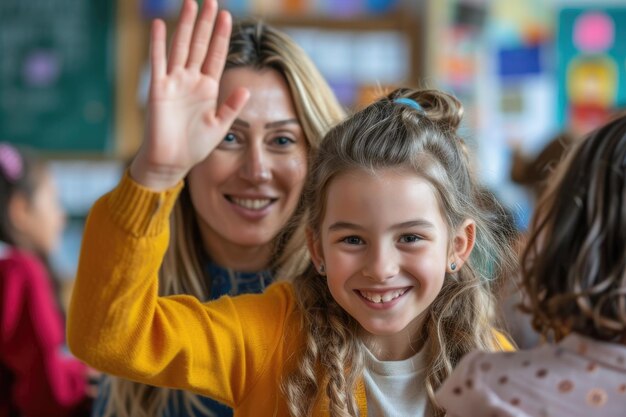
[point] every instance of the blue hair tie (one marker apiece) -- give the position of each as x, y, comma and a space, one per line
409, 102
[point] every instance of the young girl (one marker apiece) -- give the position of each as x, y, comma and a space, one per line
394, 299
231, 229
36, 377
573, 271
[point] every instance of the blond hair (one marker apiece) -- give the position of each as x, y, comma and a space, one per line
385, 135
258, 46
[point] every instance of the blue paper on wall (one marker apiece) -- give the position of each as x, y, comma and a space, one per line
379, 6
519, 61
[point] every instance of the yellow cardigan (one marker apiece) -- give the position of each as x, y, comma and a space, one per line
234, 350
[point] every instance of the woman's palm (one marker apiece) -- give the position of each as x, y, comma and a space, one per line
181, 127
185, 122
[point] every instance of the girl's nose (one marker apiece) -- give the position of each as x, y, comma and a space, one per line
381, 264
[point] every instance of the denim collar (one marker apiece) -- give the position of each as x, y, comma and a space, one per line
226, 281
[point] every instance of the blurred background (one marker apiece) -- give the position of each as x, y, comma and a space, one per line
73, 76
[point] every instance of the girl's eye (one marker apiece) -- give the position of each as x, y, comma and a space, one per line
283, 141
352, 240
410, 239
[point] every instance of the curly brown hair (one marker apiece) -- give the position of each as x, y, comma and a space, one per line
574, 266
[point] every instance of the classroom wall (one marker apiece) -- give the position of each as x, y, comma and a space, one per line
73, 75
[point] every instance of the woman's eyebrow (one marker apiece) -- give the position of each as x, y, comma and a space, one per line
241, 123
281, 123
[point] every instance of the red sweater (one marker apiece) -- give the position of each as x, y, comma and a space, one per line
37, 378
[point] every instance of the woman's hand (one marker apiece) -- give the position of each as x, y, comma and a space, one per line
184, 121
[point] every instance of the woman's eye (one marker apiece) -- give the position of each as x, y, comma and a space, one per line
353, 240
410, 239
230, 138
283, 141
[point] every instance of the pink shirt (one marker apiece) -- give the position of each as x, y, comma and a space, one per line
37, 378
579, 377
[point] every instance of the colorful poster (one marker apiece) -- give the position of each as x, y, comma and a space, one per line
591, 66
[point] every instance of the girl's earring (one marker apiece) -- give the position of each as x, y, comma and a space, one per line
453, 266
322, 269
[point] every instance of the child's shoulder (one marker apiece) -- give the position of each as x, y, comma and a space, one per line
482, 379
14, 261
573, 377
13, 254
492, 365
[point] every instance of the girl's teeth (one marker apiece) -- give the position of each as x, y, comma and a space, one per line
387, 297
382, 298
252, 204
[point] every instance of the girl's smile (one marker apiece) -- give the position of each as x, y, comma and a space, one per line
382, 298
384, 244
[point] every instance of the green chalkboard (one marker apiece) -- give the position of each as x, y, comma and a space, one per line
56, 74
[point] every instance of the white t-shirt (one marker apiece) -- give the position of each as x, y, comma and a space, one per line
395, 388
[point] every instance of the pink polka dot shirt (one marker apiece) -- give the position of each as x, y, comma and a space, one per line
578, 377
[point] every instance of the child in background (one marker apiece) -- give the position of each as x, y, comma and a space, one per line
397, 292
36, 377
573, 272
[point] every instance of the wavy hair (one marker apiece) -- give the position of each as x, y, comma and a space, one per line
574, 266
387, 135
258, 46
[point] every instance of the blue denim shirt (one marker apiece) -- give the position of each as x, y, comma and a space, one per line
223, 282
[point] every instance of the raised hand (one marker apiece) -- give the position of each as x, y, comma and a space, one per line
184, 121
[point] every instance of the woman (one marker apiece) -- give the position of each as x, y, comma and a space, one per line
241, 205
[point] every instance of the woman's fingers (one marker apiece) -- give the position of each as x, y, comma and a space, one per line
230, 108
179, 49
157, 50
202, 35
215, 58
201, 44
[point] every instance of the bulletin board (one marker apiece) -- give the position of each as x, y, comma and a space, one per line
591, 45
56, 74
